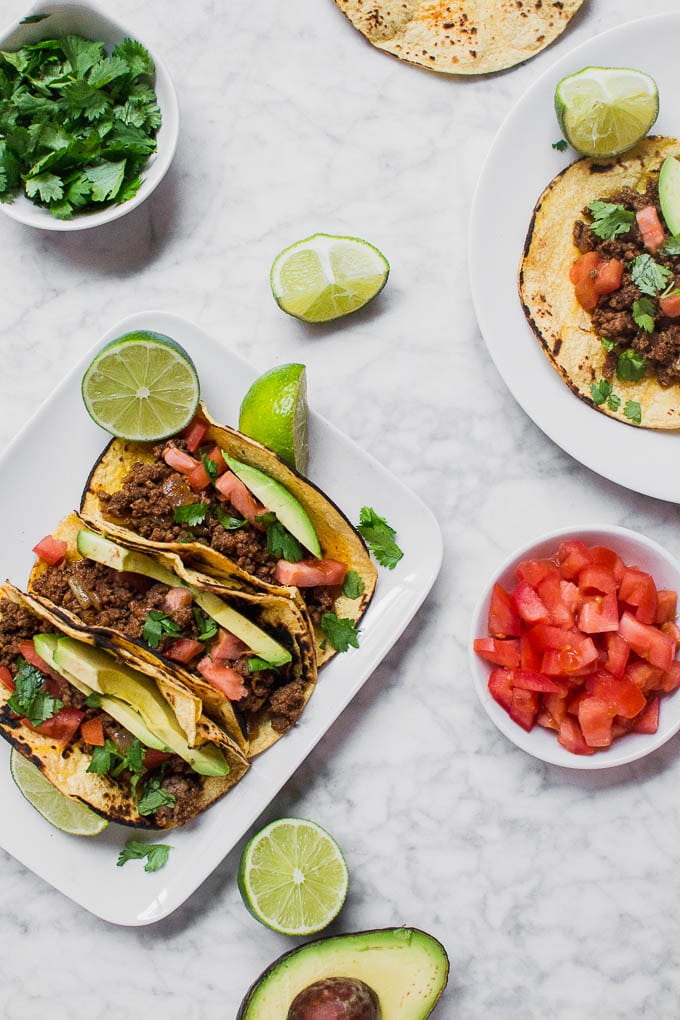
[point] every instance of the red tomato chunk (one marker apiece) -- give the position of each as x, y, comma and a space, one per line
584, 645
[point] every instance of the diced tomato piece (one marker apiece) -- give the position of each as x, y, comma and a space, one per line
233, 490
534, 571
599, 613
532, 680
571, 596
670, 680
673, 629
92, 731
6, 678
595, 579
198, 478
619, 694
503, 619
223, 678
667, 606
524, 708
63, 726
500, 687
584, 266
648, 719
647, 678
556, 704
571, 737
215, 455
27, 649
595, 720
543, 636
549, 591
572, 557
184, 650
310, 573
177, 598
52, 550
529, 656
609, 276
227, 646
638, 589
648, 641
618, 652
571, 660
651, 228
545, 719
502, 652
529, 605
154, 758
670, 305
592, 277
179, 460
194, 434
605, 557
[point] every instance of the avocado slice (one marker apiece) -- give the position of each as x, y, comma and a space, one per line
406, 968
99, 671
280, 501
103, 550
669, 193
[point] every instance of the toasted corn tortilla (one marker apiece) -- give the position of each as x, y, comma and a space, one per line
461, 36
338, 539
66, 767
276, 614
564, 329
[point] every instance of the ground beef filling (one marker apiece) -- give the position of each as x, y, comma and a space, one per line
18, 624
613, 317
103, 597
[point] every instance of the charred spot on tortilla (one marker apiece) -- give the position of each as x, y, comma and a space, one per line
486, 36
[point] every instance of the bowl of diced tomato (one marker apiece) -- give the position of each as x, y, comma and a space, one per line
573, 647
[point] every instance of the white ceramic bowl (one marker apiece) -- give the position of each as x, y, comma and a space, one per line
86, 20
540, 742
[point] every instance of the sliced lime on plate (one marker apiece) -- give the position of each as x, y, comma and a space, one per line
603, 111
274, 412
62, 812
141, 386
326, 276
293, 877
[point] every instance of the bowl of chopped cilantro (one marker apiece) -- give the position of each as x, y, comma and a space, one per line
88, 119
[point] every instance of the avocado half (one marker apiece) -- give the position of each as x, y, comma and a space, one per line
406, 968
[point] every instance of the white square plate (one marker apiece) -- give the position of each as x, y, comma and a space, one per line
58, 446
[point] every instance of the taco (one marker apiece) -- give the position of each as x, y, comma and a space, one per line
248, 657
599, 283
465, 37
101, 732
231, 508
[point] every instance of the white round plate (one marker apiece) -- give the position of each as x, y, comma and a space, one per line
519, 166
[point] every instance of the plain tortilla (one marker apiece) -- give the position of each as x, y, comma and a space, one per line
564, 329
461, 36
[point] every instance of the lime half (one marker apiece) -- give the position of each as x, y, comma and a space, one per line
293, 877
274, 412
141, 386
325, 277
56, 808
605, 110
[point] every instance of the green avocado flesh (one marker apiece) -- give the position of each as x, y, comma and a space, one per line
103, 550
669, 193
405, 967
277, 499
146, 713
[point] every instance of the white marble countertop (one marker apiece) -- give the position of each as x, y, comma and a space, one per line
552, 890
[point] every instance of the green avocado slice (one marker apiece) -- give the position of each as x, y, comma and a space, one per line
406, 968
100, 672
103, 550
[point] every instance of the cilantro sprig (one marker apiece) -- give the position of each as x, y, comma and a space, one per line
609, 219
155, 854
341, 632
649, 276
379, 537
280, 543
156, 626
30, 699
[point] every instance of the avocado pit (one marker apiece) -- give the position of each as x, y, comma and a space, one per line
336, 998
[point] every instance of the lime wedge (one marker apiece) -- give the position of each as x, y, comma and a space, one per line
292, 877
56, 808
274, 412
141, 386
603, 111
325, 277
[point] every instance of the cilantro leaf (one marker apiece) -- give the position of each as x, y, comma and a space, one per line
29, 698
560, 145
648, 275
210, 467
48, 186
157, 625
205, 625
353, 585
633, 411
106, 179
671, 245
644, 311
156, 854
340, 631
379, 537
137, 58
613, 401
228, 522
610, 219
631, 366
190, 513
154, 795
600, 391
280, 543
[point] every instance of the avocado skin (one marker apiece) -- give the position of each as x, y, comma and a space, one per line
300, 967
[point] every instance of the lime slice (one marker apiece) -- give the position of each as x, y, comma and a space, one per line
274, 412
605, 110
293, 877
141, 386
56, 808
325, 277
